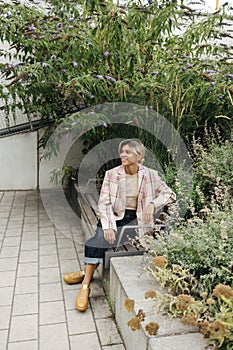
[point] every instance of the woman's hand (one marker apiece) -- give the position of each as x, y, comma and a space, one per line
110, 236
148, 212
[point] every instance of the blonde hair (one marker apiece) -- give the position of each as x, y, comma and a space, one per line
137, 146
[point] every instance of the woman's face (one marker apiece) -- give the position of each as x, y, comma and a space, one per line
128, 156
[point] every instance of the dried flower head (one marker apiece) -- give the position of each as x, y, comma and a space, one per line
141, 315
160, 261
134, 323
217, 329
129, 304
204, 328
183, 302
150, 294
210, 301
204, 294
152, 328
190, 318
222, 289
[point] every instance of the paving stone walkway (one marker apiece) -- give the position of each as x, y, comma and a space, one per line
37, 309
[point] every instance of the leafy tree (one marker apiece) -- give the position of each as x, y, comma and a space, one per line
69, 56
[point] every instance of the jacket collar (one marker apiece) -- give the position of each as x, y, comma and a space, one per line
121, 170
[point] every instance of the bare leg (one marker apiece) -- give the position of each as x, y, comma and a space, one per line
83, 294
89, 271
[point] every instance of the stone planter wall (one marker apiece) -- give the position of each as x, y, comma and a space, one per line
127, 280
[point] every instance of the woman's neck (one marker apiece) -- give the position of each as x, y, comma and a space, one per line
131, 169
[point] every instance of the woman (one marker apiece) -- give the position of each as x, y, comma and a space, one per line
131, 193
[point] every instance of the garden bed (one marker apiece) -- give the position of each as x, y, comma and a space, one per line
128, 280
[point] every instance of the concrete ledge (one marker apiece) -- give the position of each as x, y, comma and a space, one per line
127, 280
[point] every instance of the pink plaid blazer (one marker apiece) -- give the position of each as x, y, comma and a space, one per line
112, 201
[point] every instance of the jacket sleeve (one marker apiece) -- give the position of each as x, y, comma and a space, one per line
105, 208
163, 194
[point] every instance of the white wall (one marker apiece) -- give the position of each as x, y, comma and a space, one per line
21, 166
73, 157
18, 162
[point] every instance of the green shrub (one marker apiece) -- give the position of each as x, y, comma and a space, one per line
68, 57
204, 246
213, 165
199, 251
